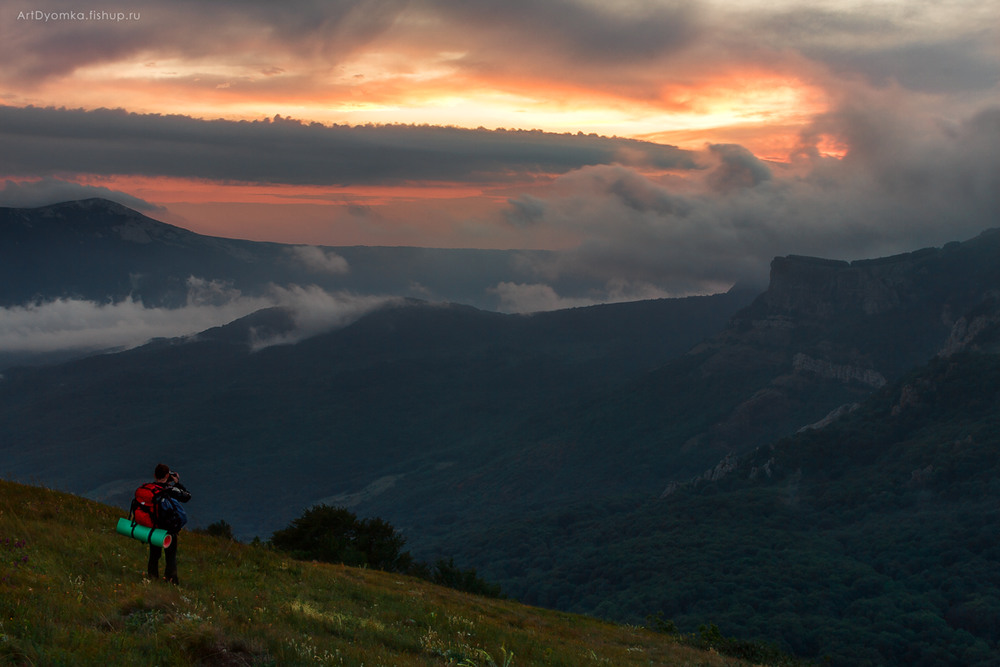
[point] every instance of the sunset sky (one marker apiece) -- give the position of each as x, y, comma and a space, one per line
666, 147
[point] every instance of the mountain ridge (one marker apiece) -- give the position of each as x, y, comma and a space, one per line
443, 371
101, 251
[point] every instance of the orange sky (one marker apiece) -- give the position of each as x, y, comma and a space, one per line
763, 75
758, 109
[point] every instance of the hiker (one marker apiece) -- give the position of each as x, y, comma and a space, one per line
167, 484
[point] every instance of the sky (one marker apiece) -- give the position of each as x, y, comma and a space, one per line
664, 148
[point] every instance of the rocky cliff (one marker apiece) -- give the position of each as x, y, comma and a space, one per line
828, 333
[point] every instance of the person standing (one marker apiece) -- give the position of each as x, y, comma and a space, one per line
167, 482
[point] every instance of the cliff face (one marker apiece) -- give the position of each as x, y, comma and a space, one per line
828, 333
957, 275
978, 330
890, 313
823, 288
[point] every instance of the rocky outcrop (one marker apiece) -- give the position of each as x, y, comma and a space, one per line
826, 288
951, 279
843, 373
978, 330
833, 416
911, 396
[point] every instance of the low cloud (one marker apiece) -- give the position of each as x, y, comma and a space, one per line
524, 211
738, 168
531, 298
49, 190
316, 311
71, 324
319, 260
906, 182
87, 326
537, 297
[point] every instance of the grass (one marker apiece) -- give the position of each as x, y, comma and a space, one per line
72, 592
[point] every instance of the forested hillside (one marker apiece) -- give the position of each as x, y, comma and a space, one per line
871, 541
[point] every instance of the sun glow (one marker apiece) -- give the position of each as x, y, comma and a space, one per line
387, 88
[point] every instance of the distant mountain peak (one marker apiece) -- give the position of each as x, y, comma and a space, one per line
93, 204
101, 218
94, 208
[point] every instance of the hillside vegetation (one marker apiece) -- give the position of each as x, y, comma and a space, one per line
870, 542
73, 594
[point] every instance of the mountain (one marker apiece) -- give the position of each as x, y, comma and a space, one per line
410, 391
442, 417
101, 251
824, 335
74, 594
603, 459
869, 541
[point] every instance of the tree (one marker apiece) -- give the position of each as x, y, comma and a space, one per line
220, 528
446, 573
335, 535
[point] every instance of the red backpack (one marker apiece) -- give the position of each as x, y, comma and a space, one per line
154, 508
144, 505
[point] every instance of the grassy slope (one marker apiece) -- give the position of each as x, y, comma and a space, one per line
72, 593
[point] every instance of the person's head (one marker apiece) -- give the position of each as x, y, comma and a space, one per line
161, 471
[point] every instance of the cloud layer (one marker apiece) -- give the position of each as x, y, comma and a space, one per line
87, 326
46, 142
49, 190
626, 67
901, 186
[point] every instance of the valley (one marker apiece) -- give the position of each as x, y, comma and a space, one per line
620, 460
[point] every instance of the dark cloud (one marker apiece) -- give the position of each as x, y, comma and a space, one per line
629, 48
37, 142
612, 34
963, 65
36, 49
930, 48
334, 21
524, 210
324, 32
812, 24
904, 184
239, 31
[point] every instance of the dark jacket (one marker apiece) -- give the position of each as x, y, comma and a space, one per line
176, 490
